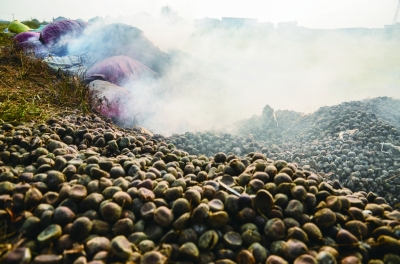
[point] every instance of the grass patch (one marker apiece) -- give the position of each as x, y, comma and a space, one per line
4, 38
31, 91
24, 110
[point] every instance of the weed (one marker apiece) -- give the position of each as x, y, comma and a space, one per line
30, 90
24, 110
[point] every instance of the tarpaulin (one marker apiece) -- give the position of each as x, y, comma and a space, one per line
118, 70
68, 64
54, 31
39, 29
120, 39
109, 99
34, 46
26, 36
17, 27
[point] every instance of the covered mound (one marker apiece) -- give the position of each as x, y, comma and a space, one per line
54, 31
34, 46
17, 27
120, 39
60, 48
26, 36
29, 42
118, 70
109, 99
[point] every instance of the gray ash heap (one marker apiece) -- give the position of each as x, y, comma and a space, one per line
81, 190
357, 143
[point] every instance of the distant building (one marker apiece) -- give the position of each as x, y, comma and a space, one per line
287, 25
392, 31
395, 26
238, 22
207, 22
266, 25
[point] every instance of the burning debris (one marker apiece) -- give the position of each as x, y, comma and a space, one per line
124, 56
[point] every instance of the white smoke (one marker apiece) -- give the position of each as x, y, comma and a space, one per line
221, 74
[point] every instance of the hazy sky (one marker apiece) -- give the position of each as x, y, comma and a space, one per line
308, 13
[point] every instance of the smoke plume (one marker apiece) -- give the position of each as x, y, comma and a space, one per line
219, 73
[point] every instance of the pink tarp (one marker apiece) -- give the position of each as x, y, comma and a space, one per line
110, 99
118, 70
54, 31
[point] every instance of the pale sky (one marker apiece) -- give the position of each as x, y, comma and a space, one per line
307, 13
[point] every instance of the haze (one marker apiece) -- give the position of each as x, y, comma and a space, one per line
220, 74
308, 13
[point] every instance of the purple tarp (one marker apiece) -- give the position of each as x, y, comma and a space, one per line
121, 39
54, 31
118, 70
27, 36
34, 46
29, 42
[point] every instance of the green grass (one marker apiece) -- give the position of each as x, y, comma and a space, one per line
23, 110
4, 39
3, 36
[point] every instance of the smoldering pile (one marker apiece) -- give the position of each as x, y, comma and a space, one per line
80, 190
113, 69
357, 143
386, 108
